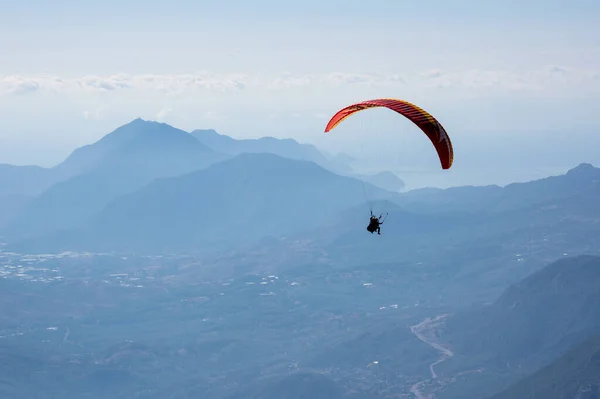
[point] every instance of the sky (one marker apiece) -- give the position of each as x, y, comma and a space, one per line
515, 83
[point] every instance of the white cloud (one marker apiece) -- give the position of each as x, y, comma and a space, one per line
287, 80
547, 79
19, 84
109, 83
166, 83
163, 112
341, 78
180, 83
173, 84
332, 79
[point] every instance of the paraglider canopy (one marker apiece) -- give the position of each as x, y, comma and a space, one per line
425, 121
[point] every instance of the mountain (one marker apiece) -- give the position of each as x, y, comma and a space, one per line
23, 180
513, 196
347, 228
285, 148
344, 158
386, 180
10, 206
234, 201
157, 147
530, 325
496, 248
575, 375
40, 201
70, 203
121, 162
523, 218
18, 186
133, 139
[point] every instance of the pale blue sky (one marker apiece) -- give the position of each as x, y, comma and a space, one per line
520, 76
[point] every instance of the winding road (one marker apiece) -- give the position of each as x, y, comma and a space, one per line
420, 330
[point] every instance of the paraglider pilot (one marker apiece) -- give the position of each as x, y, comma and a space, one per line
374, 223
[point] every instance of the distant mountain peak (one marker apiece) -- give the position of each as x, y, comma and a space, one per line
285, 147
582, 168
134, 140
386, 180
140, 122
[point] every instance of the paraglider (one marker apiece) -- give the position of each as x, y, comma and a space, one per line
425, 121
375, 223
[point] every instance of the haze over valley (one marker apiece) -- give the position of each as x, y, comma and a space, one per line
179, 220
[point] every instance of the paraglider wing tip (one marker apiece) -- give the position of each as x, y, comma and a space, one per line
447, 165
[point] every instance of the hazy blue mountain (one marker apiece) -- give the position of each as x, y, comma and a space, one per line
512, 196
386, 180
20, 184
234, 201
267, 285
566, 209
286, 148
159, 147
290, 148
343, 158
575, 181
463, 198
70, 203
121, 162
10, 206
126, 141
348, 226
530, 325
574, 375
23, 180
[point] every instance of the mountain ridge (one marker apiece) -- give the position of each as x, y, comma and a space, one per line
281, 192
576, 374
122, 161
532, 324
286, 148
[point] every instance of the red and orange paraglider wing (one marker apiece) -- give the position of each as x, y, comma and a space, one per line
427, 123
